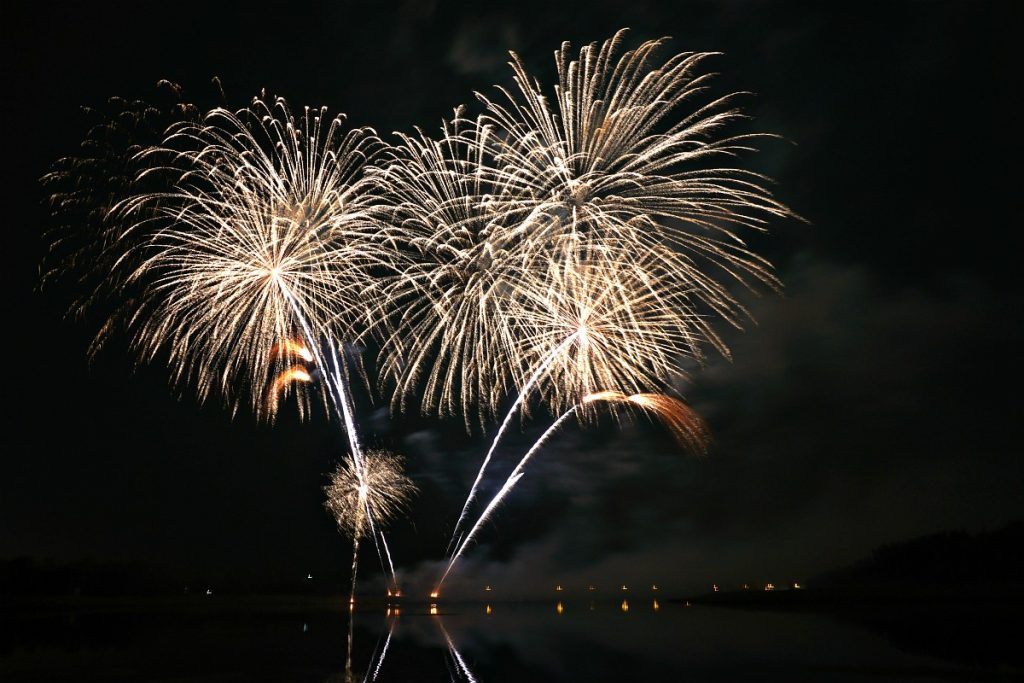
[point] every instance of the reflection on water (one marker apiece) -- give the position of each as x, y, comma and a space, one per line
458, 669
461, 669
566, 640
856, 655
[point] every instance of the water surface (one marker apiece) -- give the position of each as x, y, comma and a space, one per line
288, 639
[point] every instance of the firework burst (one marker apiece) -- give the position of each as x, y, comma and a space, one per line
86, 241
448, 345
378, 488
262, 236
520, 215
615, 320
628, 152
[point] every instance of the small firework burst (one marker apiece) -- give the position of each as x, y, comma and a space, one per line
375, 489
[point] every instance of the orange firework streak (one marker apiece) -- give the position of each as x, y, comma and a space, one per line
686, 425
295, 373
290, 347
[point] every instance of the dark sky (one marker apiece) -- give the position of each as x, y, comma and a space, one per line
877, 399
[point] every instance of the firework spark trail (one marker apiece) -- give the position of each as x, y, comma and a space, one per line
391, 564
686, 426
376, 545
379, 653
380, 542
341, 399
355, 556
523, 393
346, 405
384, 652
509, 484
592, 322
340, 387
338, 394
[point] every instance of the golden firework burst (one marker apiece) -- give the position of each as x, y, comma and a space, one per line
262, 236
375, 489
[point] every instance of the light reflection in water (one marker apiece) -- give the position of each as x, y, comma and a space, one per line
460, 663
384, 650
379, 652
458, 668
528, 642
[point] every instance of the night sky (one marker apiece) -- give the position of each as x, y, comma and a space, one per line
875, 400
